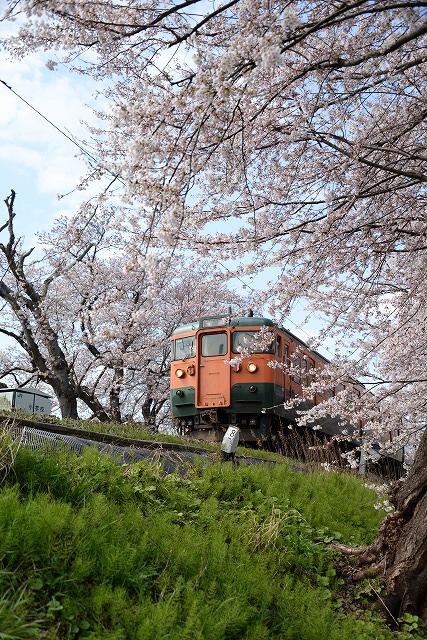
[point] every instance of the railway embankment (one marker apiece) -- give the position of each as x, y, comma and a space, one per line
98, 550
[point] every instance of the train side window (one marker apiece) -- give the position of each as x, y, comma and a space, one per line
214, 344
184, 348
245, 340
304, 372
278, 345
286, 355
310, 369
297, 364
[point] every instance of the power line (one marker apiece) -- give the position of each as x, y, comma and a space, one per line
62, 132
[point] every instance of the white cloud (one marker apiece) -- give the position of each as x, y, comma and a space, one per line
33, 154
20, 155
61, 100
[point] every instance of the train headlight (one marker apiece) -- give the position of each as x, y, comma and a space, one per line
179, 373
252, 367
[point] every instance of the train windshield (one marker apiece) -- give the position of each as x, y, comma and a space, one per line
185, 348
247, 340
214, 344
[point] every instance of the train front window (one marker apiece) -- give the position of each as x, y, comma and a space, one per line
214, 344
247, 340
185, 348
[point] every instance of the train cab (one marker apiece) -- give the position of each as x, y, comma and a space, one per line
212, 388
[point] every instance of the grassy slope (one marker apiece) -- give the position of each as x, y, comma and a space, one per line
94, 550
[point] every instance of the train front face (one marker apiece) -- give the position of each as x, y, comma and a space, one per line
207, 393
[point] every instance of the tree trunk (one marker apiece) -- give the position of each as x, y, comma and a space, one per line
91, 401
406, 560
149, 413
68, 406
400, 550
116, 386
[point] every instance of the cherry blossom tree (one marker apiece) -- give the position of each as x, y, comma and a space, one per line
293, 132
24, 290
92, 314
122, 313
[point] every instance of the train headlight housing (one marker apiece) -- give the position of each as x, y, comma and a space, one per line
179, 373
252, 367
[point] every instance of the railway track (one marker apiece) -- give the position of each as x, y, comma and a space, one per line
173, 456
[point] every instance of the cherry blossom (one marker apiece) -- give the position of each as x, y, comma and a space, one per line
289, 137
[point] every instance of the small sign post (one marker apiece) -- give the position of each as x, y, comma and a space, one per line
229, 444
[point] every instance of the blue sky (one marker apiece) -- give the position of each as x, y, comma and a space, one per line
36, 160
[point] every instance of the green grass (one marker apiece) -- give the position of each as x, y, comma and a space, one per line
96, 550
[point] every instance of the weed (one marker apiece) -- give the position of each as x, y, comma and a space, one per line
14, 625
9, 446
411, 627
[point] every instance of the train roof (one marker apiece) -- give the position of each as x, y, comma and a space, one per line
301, 342
223, 321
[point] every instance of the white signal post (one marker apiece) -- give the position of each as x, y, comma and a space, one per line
229, 443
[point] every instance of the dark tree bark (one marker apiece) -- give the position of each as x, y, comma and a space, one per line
150, 410
68, 406
149, 413
91, 401
406, 538
115, 406
400, 549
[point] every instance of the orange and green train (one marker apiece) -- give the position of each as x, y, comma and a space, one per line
208, 394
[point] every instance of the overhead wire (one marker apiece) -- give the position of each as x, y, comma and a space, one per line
120, 179
117, 176
63, 133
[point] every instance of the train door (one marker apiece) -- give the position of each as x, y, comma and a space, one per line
214, 375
